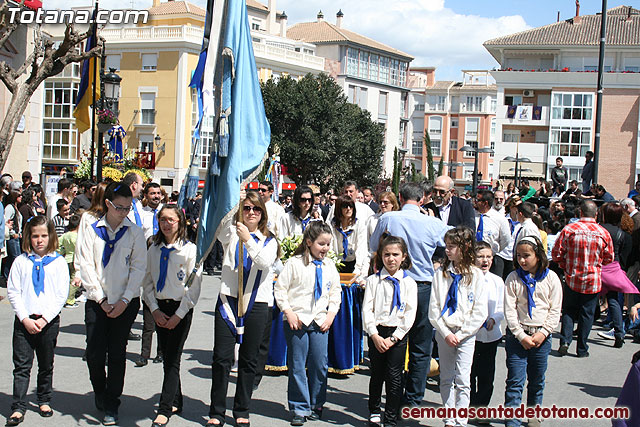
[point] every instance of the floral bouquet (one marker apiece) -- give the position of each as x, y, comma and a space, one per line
288, 245
107, 117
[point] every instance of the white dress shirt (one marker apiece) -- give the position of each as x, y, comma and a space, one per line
358, 246
507, 253
22, 295
123, 276
295, 287
181, 263
275, 212
378, 297
147, 215
527, 228
263, 257
444, 211
495, 229
363, 212
471, 311
495, 298
291, 226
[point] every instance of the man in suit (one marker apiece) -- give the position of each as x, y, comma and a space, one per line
452, 210
369, 199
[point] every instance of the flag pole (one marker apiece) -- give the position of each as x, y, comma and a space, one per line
240, 279
93, 102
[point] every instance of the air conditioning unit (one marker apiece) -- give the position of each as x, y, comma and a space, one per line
528, 93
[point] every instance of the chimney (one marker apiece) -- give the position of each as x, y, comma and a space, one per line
271, 18
283, 24
320, 16
339, 17
156, 3
577, 19
629, 13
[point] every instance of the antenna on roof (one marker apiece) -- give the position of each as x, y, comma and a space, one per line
558, 17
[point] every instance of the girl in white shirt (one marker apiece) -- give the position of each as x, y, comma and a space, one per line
261, 250
457, 310
350, 238
309, 294
489, 336
388, 312
37, 289
170, 260
112, 257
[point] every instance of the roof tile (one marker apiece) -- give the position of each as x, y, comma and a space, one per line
176, 8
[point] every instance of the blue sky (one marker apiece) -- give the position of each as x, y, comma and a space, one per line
446, 34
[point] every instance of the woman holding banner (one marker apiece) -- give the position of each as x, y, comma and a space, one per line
241, 318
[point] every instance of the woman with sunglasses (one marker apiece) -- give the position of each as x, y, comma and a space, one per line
170, 260
295, 222
260, 252
112, 260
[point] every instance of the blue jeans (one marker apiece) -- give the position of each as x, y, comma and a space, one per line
13, 252
420, 344
522, 365
308, 361
581, 308
615, 313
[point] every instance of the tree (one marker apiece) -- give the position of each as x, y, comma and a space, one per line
44, 61
441, 166
427, 146
395, 183
319, 136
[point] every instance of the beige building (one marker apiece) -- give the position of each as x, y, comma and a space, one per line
547, 97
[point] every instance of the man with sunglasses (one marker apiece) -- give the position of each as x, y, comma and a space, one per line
274, 210
452, 210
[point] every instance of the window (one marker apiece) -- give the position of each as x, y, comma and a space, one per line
352, 62
149, 61
493, 147
113, 61
416, 148
146, 142
470, 154
147, 108
471, 128
373, 66
402, 79
454, 122
59, 99
59, 141
436, 145
206, 142
382, 104
394, 72
435, 126
572, 106
569, 141
453, 145
494, 104
510, 135
364, 65
437, 102
384, 69
419, 107
493, 129
359, 96
255, 27
632, 69
513, 100
403, 105
474, 103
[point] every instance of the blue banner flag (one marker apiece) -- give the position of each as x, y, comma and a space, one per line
84, 99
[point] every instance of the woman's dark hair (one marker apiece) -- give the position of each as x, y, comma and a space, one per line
159, 238
297, 194
97, 201
538, 249
314, 230
13, 196
392, 240
611, 213
463, 238
74, 220
115, 189
27, 196
344, 202
28, 231
37, 188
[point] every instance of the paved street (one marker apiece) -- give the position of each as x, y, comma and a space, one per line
591, 382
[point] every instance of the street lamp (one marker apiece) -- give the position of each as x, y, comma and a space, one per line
159, 144
110, 91
518, 171
475, 151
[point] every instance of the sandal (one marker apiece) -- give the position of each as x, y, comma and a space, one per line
375, 419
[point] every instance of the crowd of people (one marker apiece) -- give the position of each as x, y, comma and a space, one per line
444, 277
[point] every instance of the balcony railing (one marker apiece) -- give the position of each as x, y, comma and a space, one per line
147, 117
262, 50
145, 160
529, 119
155, 34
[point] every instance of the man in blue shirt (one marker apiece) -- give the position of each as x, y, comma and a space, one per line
423, 234
602, 193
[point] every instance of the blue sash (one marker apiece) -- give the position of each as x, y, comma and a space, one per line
136, 214
109, 246
451, 303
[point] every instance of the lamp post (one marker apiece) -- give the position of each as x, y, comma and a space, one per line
475, 151
518, 160
110, 91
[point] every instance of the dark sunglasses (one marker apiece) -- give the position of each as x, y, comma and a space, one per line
317, 194
305, 199
438, 191
262, 190
256, 209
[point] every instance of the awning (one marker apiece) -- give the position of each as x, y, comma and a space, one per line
529, 170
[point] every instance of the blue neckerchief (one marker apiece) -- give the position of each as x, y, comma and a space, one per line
480, 229
164, 263
530, 284
247, 262
136, 215
109, 246
305, 222
512, 224
37, 272
396, 301
155, 221
345, 242
451, 303
317, 290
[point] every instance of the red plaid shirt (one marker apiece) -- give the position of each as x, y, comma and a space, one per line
581, 249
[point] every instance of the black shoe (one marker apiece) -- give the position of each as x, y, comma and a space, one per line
142, 361
618, 343
563, 350
298, 420
316, 414
134, 337
46, 414
585, 354
14, 421
158, 359
110, 419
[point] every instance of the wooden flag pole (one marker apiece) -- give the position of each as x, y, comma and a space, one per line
240, 279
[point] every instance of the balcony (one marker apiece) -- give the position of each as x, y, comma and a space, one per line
145, 160
520, 119
291, 57
157, 34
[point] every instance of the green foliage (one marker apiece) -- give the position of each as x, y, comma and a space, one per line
418, 177
441, 166
319, 136
427, 146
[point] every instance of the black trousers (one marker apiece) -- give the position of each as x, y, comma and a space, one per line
24, 345
148, 326
483, 372
508, 268
107, 340
171, 342
387, 368
263, 351
223, 350
497, 266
